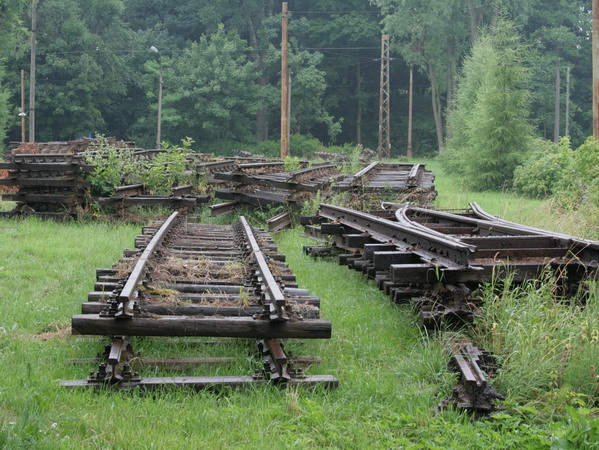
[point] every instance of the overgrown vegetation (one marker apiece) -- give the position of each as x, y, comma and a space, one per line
570, 176
120, 166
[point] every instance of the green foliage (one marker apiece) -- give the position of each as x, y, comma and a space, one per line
269, 148
301, 145
490, 128
112, 166
579, 188
541, 173
118, 166
292, 163
579, 430
571, 176
541, 342
5, 117
212, 93
312, 205
168, 169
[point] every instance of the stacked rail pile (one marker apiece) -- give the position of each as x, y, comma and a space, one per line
252, 184
201, 280
48, 185
436, 260
255, 186
61, 147
181, 199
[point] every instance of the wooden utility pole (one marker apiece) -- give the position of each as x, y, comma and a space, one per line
22, 113
567, 130
284, 86
384, 107
595, 41
32, 72
159, 124
410, 96
556, 113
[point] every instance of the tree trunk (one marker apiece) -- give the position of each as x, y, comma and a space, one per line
262, 114
410, 97
436, 106
450, 84
556, 119
473, 20
359, 105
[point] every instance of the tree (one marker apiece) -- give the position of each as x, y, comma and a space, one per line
490, 129
10, 30
212, 93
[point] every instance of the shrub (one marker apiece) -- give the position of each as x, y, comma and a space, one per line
292, 163
269, 148
579, 186
168, 169
301, 145
541, 173
112, 165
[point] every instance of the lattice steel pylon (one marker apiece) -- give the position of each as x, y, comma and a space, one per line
384, 106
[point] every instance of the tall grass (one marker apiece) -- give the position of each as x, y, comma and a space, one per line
544, 344
537, 212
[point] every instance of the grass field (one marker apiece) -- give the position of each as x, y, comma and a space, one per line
392, 375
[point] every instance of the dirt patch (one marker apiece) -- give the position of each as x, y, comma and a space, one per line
56, 331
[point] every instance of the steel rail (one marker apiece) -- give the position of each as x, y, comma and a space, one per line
480, 212
435, 250
272, 292
129, 292
402, 218
360, 173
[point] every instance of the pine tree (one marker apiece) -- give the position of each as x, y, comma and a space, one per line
490, 127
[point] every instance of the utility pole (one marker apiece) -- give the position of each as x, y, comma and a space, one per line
567, 131
160, 83
556, 118
595, 41
22, 113
410, 95
284, 86
384, 111
32, 72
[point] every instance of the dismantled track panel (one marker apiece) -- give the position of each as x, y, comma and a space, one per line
436, 261
190, 280
267, 183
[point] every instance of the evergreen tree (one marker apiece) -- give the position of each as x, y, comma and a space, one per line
490, 127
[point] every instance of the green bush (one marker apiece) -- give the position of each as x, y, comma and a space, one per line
269, 148
579, 186
168, 169
301, 145
112, 165
541, 173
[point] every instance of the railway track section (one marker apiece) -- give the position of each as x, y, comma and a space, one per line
192, 280
268, 183
436, 261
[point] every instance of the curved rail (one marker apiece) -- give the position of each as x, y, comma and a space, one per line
449, 252
479, 212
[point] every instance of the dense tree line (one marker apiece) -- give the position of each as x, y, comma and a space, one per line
221, 59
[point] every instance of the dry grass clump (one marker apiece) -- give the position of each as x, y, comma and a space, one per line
172, 268
124, 268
